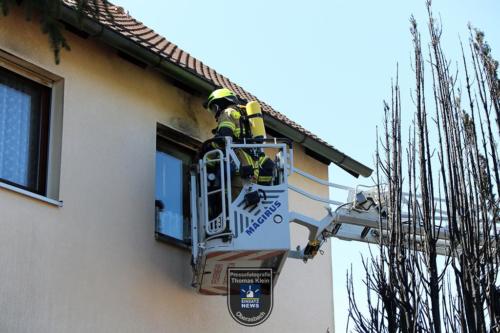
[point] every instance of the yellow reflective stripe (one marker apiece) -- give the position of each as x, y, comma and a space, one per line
235, 114
256, 172
237, 131
248, 158
212, 160
265, 178
227, 124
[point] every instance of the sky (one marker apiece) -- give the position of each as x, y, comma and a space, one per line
326, 64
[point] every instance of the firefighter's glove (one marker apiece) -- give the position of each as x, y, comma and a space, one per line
252, 198
246, 171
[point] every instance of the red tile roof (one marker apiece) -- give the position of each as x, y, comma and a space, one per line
136, 31
147, 39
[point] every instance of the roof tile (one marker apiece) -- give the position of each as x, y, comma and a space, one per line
176, 54
191, 62
183, 59
169, 50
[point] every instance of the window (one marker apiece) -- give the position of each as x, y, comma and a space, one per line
24, 119
30, 129
174, 154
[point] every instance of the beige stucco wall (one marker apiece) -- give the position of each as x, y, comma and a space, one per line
93, 265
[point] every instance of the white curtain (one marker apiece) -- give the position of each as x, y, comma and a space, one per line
15, 129
169, 189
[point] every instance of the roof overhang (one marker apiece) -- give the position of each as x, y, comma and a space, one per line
335, 156
204, 87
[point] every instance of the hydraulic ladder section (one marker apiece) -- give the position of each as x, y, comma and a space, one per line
361, 218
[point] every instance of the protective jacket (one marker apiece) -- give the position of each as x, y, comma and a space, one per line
254, 164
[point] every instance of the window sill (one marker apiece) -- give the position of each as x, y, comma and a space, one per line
57, 203
172, 241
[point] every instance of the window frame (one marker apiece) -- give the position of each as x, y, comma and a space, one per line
50, 146
181, 146
41, 162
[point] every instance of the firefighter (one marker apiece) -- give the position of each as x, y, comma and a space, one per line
232, 121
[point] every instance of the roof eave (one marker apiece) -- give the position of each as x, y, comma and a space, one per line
338, 158
204, 87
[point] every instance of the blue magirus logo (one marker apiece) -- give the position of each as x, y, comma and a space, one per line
263, 218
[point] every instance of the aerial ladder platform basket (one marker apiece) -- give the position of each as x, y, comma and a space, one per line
250, 230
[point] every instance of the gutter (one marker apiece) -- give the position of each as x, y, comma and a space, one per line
340, 159
204, 87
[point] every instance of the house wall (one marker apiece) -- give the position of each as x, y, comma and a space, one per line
93, 265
